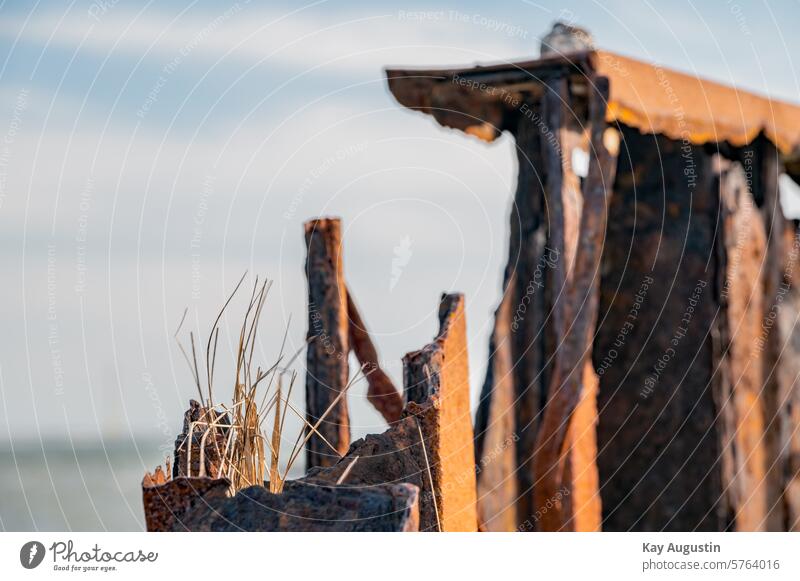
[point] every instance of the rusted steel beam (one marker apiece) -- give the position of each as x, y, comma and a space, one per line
436, 382
769, 167
526, 339
582, 510
529, 336
381, 393
395, 455
327, 370
516, 378
555, 108
580, 304
738, 381
552, 124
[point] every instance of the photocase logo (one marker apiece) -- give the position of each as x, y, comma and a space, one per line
31, 554
402, 255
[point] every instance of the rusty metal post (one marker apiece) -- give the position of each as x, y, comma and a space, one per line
328, 346
572, 376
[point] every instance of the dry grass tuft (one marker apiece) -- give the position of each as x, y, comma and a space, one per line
235, 432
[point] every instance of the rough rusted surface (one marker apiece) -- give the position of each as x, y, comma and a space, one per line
381, 393
577, 496
738, 382
646, 96
328, 347
572, 381
495, 435
529, 329
441, 462
791, 498
203, 431
546, 455
394, 456
309, 507
516, 377
768, 167
417, 475
437, 389
169, 503
530, 266
657, 440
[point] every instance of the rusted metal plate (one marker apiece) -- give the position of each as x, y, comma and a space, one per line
168, 504
658, 450
515, 386
495, 431
308, 507
437, 391
529, 331
579, 490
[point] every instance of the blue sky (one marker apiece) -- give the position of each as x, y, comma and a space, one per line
154, 151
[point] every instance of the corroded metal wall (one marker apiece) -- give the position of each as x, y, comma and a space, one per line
657, 434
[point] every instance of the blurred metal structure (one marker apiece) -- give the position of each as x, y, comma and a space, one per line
642, 369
